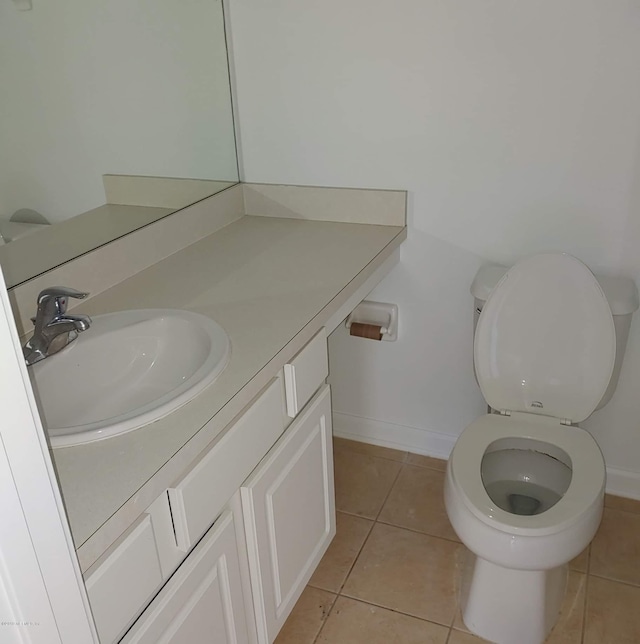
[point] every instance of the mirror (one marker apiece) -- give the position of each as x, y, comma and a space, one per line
115, 113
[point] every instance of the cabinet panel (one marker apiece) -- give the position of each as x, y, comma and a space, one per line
304, 374
124, 579
201, 494
202, 603
289, 513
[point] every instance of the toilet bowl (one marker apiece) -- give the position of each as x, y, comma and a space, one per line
524, 486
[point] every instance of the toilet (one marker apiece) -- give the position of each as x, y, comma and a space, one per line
524, 486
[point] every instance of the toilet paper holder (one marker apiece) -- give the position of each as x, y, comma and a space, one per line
378, 314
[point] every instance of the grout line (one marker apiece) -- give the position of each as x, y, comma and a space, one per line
586, 594
631, 584
360, 516
324, 621
584, 602
355, 559
394, 610
403, 461
426, 467
371, 520
386, 498
384, 458
415, 530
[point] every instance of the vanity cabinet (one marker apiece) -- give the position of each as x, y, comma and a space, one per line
224, 553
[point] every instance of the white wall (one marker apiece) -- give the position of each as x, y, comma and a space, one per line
91, 87
515, 126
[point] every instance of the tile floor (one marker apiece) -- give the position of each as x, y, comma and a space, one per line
390, 574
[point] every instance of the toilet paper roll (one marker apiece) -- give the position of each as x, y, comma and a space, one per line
369, 331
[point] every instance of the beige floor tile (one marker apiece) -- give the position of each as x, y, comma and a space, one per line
462, 637
362, 482
581, 562
354, 622
351, 532
615, 550
368, 449
612, 614
427, 461
568, 629
621, 503
407, 571
417, 502
307, 617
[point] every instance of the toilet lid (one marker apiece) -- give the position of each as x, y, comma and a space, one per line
545, 341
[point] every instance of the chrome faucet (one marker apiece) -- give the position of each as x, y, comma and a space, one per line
54, 329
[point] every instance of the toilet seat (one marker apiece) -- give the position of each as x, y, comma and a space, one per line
587, 465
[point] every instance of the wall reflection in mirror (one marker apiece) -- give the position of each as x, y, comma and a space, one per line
114, 113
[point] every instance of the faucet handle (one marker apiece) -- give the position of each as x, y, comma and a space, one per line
60, 291
59, 294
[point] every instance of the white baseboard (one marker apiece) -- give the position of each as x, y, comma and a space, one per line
438, 445
377, 432
623, 483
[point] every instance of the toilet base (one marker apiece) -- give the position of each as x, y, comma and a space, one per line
509, 606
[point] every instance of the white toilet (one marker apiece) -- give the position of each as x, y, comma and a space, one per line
524, 486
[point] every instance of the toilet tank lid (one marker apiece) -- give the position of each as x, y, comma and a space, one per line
621, 292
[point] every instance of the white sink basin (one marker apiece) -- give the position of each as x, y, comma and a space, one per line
128, 369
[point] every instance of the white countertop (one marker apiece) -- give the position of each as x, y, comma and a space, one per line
271, 283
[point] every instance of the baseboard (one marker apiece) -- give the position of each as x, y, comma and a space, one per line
623, 483
438, 445
377, 432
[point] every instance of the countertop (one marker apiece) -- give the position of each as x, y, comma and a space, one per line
271, 283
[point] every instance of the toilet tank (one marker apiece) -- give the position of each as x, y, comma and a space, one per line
621, 293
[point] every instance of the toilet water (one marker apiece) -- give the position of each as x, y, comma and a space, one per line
522, 497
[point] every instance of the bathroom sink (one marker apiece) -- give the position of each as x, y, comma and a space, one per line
129, 369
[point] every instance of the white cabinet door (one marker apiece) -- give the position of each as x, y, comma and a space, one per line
289, 513
202, 603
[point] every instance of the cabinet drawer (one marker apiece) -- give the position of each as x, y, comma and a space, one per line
197, 498
203, 601
304, 374
124, 579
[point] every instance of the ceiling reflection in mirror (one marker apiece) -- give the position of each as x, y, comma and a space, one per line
114, 113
